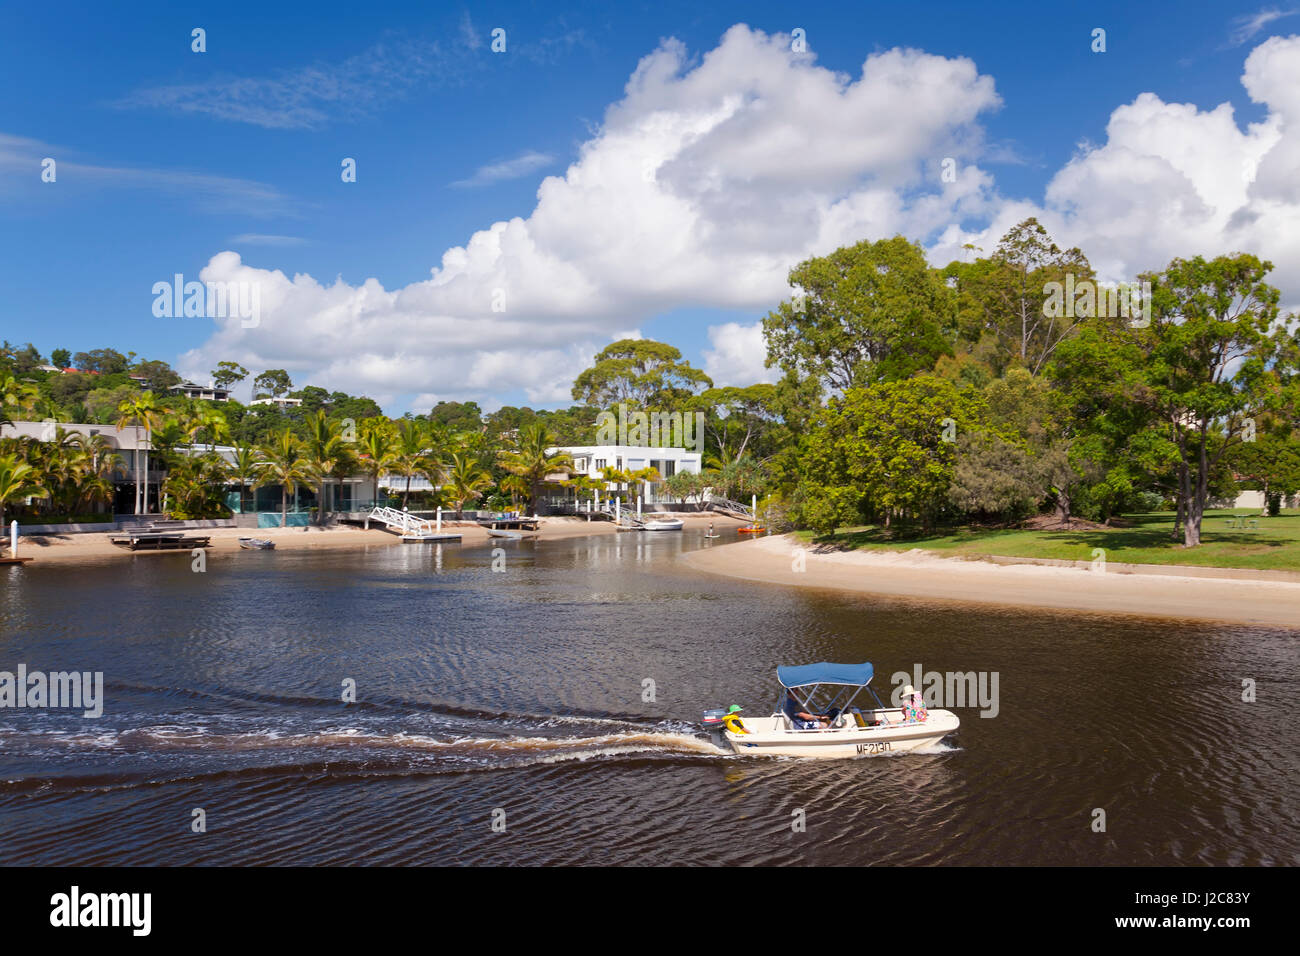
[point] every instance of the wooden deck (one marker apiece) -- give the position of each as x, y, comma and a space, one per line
150, 540
511, 524
430, 538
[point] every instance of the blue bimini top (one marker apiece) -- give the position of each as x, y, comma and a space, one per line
855, 675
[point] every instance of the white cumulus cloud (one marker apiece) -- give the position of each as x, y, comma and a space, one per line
710, 179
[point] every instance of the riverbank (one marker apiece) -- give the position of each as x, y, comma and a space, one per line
93, 547
1230, 538
920, 575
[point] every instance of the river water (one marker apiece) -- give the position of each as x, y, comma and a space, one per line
501, 718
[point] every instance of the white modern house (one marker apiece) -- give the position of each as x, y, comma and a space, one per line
592, 460
278, 401
124, 442
208, 392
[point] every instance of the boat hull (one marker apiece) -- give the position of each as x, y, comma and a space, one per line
768, 737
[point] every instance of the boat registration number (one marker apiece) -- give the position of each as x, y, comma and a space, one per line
876, 747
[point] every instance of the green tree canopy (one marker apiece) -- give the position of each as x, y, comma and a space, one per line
1213, 359
274, 382
1002, 300
227, 374
104, 361
871, 312
641, 372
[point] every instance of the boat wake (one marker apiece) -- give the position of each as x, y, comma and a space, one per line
137, 754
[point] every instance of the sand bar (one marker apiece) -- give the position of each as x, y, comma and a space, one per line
926, 576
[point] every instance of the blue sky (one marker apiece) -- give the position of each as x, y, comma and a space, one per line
168, 157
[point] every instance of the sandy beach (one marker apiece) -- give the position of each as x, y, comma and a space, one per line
80, 548
920, 575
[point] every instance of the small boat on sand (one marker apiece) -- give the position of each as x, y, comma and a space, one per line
663, 524
836, 729
257, 544
508, 535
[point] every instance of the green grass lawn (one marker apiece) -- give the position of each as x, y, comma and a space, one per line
1273, 545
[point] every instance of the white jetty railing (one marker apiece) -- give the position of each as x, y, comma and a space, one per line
402, 521
623, 517
729, 507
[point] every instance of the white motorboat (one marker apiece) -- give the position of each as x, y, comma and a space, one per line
663, 524
847, 731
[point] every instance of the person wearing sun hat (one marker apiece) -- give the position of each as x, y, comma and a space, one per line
914, 711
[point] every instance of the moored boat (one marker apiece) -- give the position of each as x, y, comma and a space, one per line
663, 524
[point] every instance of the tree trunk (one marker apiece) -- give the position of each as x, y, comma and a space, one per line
1062, 508
284, 506
1192, 530
406, 496
1195, 496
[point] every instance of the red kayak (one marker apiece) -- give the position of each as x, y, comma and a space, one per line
750, 529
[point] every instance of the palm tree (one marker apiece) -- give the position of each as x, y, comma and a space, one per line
643, 476
61, 463
96, 464
327, 454
208, 421
283, 464
18, 479
196, 482
21, 396
377, 450
466, 480
409, 455
516, 487
243, 466
140, 411
533, 461
609, 475
742, 476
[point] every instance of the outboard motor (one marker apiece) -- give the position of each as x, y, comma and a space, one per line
715, 722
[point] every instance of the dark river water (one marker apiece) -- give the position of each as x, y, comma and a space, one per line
518, 697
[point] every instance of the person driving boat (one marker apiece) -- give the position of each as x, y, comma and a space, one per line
801, 718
